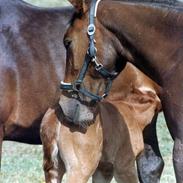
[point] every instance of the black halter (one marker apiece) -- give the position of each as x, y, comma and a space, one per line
90, 57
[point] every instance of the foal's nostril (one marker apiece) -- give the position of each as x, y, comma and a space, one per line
78, 86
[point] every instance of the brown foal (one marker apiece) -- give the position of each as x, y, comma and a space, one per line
109, 146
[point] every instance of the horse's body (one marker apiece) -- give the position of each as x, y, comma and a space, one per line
32, 63
115, 138
149, 36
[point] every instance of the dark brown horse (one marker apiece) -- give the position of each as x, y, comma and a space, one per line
32, 63
145, 34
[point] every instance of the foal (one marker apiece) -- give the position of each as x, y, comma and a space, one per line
108, 147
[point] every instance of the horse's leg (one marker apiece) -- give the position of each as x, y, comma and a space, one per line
53, 166
124, 165
103, 173
1, 141
126, 173
150, 163
174, 117
178, 159
76, 176
79, 170
81, 164
81, 151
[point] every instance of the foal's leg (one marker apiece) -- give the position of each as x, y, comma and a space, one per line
126, 173
53, 166
124, 165
80, 151
150, 163
103, 173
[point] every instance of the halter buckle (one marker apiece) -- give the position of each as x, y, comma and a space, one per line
98, 67
91, 29
104, 95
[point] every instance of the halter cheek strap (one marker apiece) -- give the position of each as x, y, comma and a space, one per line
91, 58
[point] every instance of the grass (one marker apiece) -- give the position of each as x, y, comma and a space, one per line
166, 146
48, 3
22, 163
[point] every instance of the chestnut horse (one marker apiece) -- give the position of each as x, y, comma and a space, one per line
145, 34
115, 138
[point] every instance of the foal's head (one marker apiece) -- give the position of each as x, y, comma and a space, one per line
104, 64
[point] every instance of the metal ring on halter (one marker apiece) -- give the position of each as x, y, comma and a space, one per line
104, 95
91, 29
98, 67
94, 60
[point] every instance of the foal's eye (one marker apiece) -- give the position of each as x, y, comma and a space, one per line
67, 42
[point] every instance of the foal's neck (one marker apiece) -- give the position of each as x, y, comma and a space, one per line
151, 33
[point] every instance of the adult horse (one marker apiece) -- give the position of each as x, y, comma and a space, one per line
32, 63
145, 34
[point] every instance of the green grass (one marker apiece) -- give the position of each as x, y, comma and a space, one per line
48, 3
166, 146
22, 163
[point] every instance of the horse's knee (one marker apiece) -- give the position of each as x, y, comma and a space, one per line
149, 165
178, 159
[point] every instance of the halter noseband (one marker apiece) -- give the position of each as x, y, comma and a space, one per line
90, 57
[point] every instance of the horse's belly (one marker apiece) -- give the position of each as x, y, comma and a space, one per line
19, 133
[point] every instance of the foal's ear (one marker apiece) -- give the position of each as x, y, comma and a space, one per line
80, 5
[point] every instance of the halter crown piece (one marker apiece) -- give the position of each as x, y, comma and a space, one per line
90, 57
